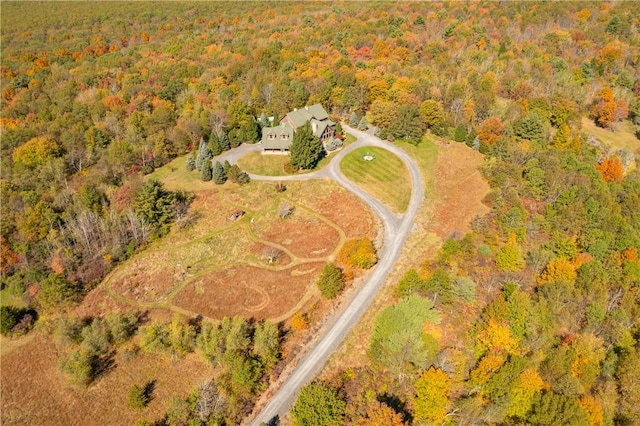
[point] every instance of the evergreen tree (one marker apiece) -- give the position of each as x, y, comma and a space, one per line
219, 176
306, 149
191, 163
236, 175
353, 120
460, 134
476, 143
252, 132
531, 128
214, 144
362, 125
206, 172
226, 166
225, 143
204, 154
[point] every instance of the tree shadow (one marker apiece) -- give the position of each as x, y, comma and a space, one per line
149, 387
397, 405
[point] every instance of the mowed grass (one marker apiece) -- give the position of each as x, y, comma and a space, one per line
261, 164
622, 138
386, 177
175, 176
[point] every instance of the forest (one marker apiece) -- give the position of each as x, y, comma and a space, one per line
531, 318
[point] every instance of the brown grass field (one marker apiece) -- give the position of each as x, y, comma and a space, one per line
214, 268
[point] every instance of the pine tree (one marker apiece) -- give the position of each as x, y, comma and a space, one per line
460, 134
204, 154
306, 149
206, 172
191, 163
353, 120
226, 166
225, 143
214, 144
362, 125
219, 175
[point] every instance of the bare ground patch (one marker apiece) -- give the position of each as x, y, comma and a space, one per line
248, 291
304, 234
347, 211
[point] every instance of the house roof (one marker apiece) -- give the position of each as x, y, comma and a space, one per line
300, 116
277, 142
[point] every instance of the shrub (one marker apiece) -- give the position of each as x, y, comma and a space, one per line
331, 281
138, 397
358, 253
8, 319
299, 322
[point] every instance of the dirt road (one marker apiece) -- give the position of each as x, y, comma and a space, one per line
396, 228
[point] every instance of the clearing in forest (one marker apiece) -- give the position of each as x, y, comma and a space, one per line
261, 265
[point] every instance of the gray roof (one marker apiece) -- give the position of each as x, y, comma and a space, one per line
308, 113
282, 136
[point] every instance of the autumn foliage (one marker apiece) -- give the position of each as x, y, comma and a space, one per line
611, 169
358, 253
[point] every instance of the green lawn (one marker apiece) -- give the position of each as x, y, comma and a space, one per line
175, 176
425, 154
386, 177
263, 164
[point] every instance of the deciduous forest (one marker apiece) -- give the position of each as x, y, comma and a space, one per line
531, 318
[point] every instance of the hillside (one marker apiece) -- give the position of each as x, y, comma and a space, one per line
513, 303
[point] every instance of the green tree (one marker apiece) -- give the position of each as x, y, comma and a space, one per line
214, 144
409, 283
396, 342
236, 175
155, 205
206, 172
531, 128
362, 125
204, 155
552, 409
408, 124
353, 120
9, 316
56, 291
137, 397
509, 258
182, 337
460, 134
191, 163
331, 281
266, 343
219, 176
318, 405
80, 367
306, 149
225, 143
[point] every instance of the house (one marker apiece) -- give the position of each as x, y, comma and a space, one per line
279, 138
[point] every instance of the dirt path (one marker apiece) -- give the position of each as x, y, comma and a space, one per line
397, 228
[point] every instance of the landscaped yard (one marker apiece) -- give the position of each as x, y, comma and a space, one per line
261, 164
380, 173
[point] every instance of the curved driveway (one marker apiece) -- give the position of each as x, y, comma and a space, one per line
396, 229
